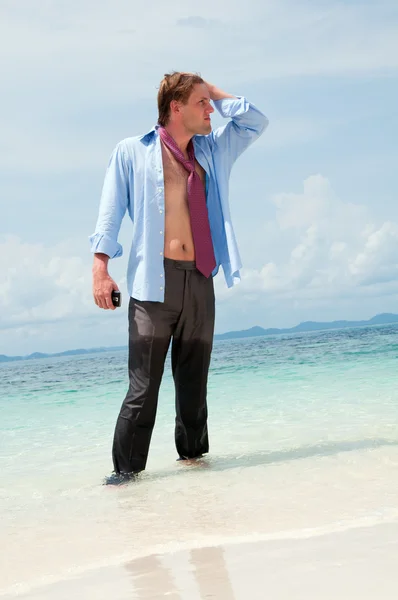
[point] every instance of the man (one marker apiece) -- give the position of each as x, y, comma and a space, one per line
173, 181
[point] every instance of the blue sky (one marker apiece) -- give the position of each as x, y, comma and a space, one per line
314, 201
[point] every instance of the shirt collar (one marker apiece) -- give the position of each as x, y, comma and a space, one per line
149, 133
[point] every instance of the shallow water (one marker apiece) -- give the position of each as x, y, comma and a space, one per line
303, 436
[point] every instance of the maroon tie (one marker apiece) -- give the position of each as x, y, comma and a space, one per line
204, 253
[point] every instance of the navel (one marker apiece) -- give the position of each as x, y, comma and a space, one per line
176, 245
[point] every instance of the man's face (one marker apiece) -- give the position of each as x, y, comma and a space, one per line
195, 115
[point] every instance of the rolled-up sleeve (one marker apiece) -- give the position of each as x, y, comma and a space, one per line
246, 125
115, 199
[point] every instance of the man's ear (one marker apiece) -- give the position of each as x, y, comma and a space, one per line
175, 107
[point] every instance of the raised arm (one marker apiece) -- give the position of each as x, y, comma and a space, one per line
104, 245
246, 125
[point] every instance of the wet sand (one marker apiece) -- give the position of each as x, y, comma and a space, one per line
358, 563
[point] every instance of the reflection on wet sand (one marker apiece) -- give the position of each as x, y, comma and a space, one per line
211, 573
153, 579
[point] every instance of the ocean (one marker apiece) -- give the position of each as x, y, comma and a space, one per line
303, 441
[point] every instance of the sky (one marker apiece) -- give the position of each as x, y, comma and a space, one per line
314, 201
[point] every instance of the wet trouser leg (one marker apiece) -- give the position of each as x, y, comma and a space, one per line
187, 316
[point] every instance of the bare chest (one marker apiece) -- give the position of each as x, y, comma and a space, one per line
175, 175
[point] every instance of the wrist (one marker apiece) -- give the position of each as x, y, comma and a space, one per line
100, 263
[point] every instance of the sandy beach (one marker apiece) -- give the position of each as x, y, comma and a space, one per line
356, 563
297, 499
279, 235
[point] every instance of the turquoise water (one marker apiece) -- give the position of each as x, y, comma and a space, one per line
303, 435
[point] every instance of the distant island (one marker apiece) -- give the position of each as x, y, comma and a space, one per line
307, 326
382, 319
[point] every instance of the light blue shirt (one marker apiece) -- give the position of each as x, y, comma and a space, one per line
134, 182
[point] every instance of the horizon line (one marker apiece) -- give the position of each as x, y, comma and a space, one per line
345, 323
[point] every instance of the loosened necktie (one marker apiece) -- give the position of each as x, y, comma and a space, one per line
204, 252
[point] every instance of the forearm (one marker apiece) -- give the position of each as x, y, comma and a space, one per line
100, 263
246, 124
244, 115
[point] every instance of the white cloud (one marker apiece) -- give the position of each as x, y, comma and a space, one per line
39, 285
45, 297
377, 262
326, 248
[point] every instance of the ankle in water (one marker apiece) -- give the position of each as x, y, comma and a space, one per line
120, 478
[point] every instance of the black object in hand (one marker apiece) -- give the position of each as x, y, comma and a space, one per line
116, 298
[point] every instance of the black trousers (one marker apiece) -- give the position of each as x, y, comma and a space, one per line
187, 317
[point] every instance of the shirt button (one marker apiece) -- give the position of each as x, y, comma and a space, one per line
161, 253
161, 274
161, 233
161, 287
161, 211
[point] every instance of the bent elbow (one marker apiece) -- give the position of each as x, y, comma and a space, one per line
263, 125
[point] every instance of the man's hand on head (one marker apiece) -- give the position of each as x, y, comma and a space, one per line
216, 93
